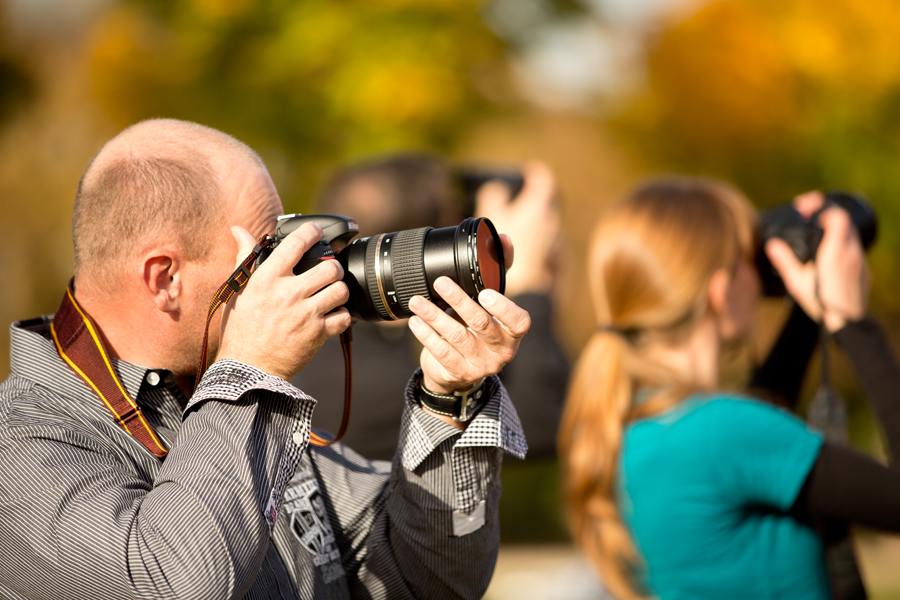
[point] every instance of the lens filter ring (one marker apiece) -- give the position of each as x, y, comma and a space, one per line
479, 257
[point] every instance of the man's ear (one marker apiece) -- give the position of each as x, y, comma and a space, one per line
161, 277
718, 291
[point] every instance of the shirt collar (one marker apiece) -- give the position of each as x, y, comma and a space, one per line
34, 357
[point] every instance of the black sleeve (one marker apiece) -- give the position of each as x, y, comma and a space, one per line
537, 377
781, 375
848, 486
879, 375
844, 484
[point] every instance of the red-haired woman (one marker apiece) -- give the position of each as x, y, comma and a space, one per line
677, 488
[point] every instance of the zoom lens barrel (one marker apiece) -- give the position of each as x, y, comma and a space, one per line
384, 271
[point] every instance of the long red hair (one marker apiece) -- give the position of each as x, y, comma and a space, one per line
651, 260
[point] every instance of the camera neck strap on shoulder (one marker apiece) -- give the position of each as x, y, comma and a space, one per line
233, 285
79, 344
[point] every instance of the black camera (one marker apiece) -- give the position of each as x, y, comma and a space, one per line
804, 236
469, 179
384, 271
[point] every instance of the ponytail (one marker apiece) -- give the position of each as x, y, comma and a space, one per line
590, 440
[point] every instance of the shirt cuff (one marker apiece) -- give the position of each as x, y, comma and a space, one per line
288, 414
230, 379
496, 426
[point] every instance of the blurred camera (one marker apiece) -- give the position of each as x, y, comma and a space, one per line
469, 179
384, 271
804, 236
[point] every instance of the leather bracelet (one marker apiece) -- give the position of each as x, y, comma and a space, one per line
462, 405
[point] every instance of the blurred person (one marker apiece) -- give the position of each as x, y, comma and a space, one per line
119, 479
674, 487
408, 191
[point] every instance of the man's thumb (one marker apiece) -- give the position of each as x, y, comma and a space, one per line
245, 242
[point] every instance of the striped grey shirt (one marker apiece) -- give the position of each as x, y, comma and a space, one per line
241, 507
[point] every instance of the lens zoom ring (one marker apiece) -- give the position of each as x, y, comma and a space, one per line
407, 266
371, 280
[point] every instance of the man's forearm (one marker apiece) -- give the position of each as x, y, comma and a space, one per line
197, 528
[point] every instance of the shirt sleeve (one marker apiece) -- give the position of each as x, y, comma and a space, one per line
87, 522
537, 379
763, 454
430, 530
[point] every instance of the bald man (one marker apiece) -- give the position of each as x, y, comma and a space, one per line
119, 479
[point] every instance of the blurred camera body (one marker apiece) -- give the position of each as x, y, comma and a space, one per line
384, 271
469, 179
804, 236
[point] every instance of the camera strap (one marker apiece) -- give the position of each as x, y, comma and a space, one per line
233, 285
78, 342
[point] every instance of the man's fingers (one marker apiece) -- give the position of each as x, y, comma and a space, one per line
290, 249
512, 317
454, 332
245, 243
336, 321
330, 297
439, 348
474, 317
509, 252
323, 274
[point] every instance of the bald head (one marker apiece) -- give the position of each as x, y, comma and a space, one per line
159, 182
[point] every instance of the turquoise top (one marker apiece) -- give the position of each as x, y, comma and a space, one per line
704, 488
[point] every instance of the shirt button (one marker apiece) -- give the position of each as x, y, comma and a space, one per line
299, 438
153, 378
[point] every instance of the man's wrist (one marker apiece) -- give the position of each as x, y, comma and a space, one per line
460, 404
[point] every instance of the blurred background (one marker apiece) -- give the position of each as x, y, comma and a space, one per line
778, 96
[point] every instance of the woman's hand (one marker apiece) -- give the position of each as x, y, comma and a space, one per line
834, 288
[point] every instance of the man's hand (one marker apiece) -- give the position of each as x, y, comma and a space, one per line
835, 287
531, 217
279, 320
476, 341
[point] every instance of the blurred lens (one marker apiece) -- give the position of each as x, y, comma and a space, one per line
384, 271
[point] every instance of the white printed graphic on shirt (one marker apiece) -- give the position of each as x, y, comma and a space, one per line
309, 523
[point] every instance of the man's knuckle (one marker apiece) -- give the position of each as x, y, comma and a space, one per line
458, 337
441, 352
481, 321
524, 325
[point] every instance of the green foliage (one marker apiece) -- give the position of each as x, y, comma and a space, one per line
308, 83
782, 96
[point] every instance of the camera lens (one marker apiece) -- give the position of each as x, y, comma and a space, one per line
384, 271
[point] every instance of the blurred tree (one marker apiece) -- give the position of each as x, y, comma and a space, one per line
781, 96
309, 82
18, 83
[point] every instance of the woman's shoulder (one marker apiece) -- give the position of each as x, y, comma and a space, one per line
734, 408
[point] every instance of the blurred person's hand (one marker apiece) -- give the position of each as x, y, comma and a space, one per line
835, 287
532, 220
